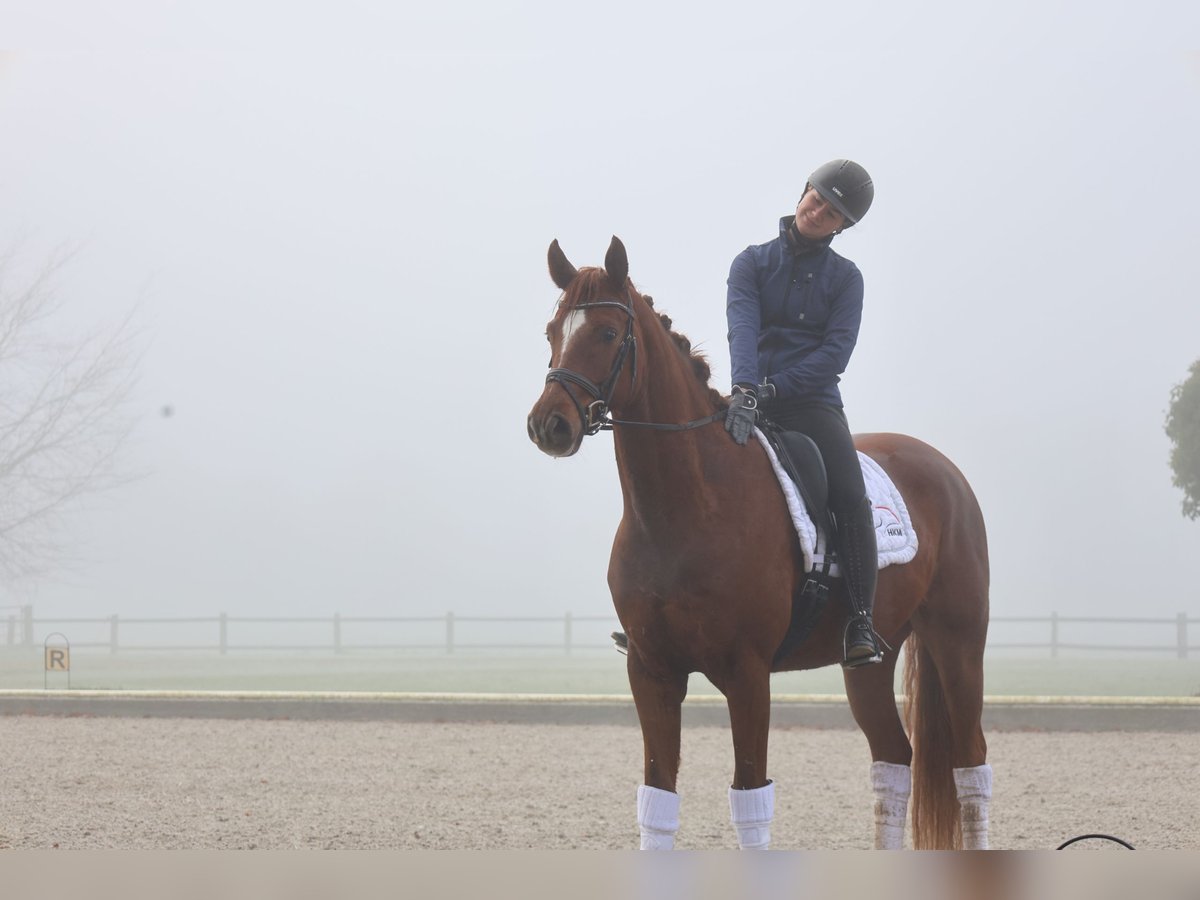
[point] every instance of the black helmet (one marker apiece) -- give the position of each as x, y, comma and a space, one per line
847, 187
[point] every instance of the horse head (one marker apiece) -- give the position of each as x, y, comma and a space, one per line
593, 351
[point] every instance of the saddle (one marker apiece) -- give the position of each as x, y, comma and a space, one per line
801, 459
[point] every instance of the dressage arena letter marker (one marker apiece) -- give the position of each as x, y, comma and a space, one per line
57, 658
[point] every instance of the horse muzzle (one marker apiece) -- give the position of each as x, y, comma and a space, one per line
556, 432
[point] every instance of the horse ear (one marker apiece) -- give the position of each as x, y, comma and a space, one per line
616, 264
562, 273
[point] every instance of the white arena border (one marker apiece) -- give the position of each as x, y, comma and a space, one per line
483, 697
1001, 712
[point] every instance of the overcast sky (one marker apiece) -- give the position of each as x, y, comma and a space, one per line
333, 220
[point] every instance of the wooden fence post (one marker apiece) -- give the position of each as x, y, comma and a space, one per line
1181, 635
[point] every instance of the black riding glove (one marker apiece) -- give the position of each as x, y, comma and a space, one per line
742, 413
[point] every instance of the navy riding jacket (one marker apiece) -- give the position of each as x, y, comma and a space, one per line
793, 318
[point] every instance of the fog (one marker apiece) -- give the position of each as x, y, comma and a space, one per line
332, 222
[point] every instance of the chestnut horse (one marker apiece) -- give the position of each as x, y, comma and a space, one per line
706, 561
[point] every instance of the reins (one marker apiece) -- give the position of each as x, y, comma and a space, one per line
596, 416
664, 426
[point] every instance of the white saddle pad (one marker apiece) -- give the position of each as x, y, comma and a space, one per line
894, 532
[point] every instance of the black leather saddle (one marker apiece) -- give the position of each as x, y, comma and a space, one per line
801, 459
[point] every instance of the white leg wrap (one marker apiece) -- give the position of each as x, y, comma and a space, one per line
974, 788
658, 817
751, 813
892, 786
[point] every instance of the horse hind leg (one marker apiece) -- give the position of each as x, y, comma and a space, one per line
945, 678
973, 786
960, 670
872, 695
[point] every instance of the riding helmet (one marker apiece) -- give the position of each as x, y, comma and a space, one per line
847, 187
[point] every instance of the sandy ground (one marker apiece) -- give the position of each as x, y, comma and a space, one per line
103, 783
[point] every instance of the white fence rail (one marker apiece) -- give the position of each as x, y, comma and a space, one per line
449, 633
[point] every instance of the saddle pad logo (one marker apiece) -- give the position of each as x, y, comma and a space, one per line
888, 522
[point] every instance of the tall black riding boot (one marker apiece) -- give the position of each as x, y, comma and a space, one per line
859, 559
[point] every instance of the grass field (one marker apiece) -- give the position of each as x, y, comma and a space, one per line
590, 672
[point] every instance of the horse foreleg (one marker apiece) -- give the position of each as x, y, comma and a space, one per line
752, 795
659, 701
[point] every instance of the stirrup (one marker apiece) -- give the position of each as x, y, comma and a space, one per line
872, 655
621, 639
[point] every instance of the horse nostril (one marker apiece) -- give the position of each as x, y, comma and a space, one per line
557, 426
551, 432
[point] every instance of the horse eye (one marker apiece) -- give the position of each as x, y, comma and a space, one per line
610, 335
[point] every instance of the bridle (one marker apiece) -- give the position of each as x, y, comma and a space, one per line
595, 416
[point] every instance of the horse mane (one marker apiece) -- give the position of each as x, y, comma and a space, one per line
697, 361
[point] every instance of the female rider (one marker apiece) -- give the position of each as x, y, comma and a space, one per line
794, 308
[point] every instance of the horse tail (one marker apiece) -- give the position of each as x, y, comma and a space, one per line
935, 816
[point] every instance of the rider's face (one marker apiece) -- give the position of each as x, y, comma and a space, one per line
815, 217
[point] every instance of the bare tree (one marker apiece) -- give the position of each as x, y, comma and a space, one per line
63, 417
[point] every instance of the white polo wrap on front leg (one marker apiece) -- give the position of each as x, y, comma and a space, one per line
751, 813
658, 817
974, 787
892, 785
